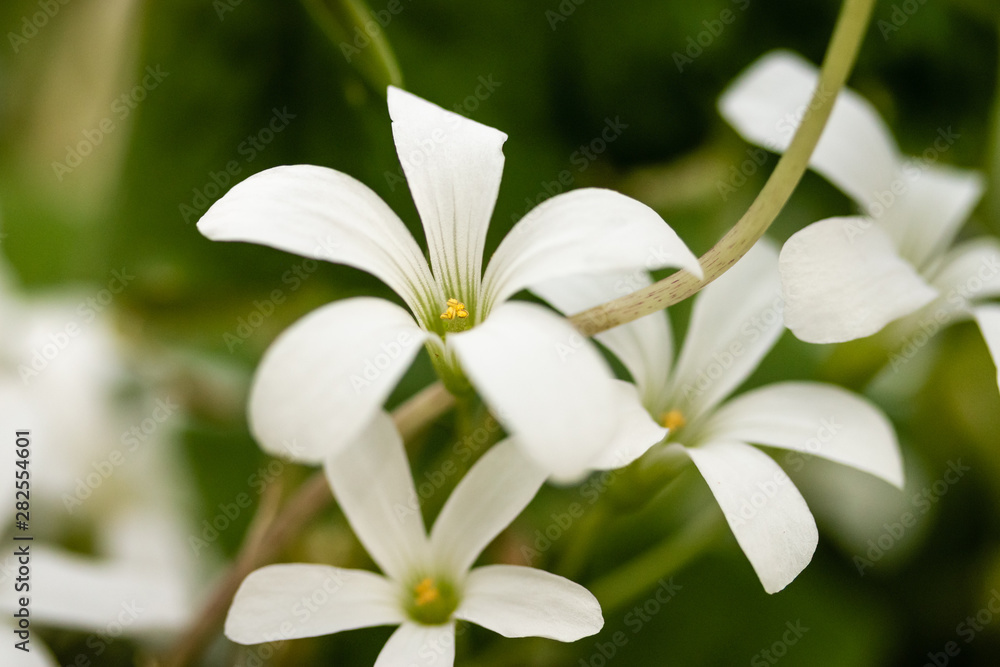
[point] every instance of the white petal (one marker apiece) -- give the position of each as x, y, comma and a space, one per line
856, 151
372, 483
842, 279
323, 214
926, 208
414, 645
38, 654
970, 271
547, 384
491, 495
817, 419
988, 318
735, 322
524, 602
453, 166
295, 600
583, 232
637, 431
324, 377
87, 593
765, 511
645, 346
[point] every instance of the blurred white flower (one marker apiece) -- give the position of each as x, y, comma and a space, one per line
848, 277
62, 376
735, 321
323, 380
428, 583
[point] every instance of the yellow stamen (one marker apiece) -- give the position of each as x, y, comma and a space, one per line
673, 420
426, 592
455, 309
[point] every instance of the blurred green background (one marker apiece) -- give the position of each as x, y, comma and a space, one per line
170, 95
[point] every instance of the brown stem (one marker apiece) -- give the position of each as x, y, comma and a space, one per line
309, 499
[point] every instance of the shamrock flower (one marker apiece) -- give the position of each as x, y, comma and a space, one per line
734, 323
428, 583
61, 378
323, 379
848, 277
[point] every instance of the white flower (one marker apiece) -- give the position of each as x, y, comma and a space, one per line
847, 278
428, 583
735, 321
61, 376
323, 379
38, 654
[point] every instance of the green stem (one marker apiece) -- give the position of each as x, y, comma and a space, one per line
618, 588
574, 557
840, 56
475, 426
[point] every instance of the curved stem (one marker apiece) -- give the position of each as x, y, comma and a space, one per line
420, 410
314, 495
840, 56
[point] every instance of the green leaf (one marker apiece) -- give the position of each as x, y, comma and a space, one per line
359, 34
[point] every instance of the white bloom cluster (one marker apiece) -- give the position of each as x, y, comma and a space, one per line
324, 381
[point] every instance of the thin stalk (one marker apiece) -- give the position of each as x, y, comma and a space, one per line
423, 408
309, 499
840, 56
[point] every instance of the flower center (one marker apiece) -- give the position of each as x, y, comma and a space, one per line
673, 420
432, 601
455, 316
455, 309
